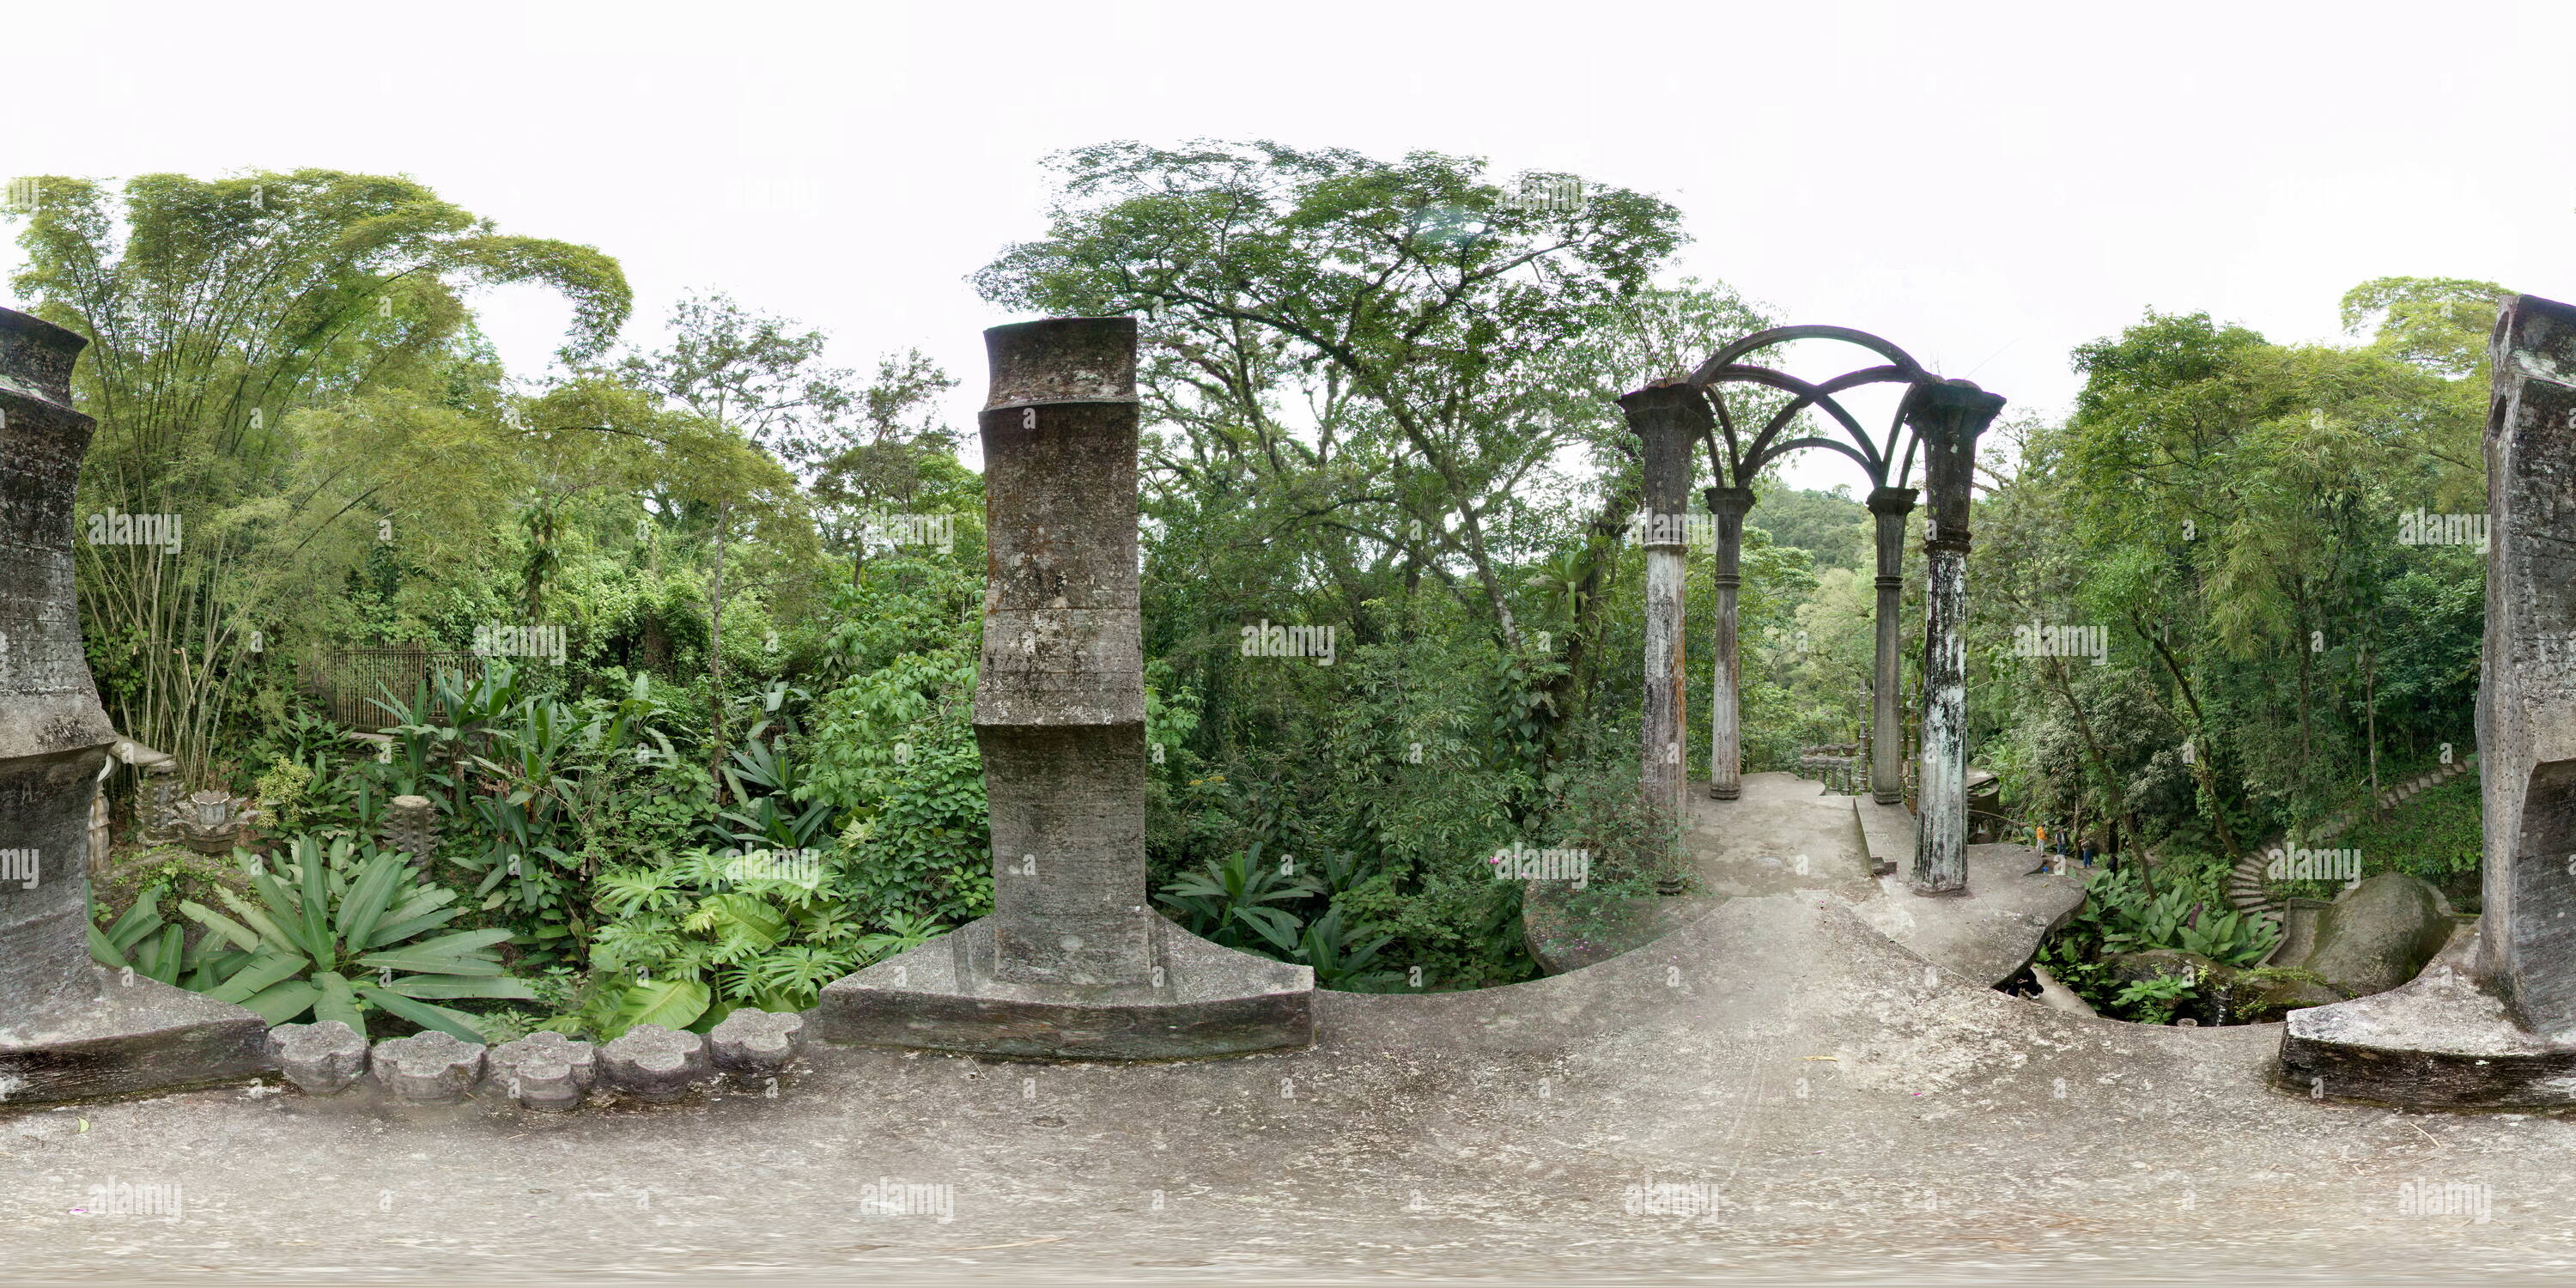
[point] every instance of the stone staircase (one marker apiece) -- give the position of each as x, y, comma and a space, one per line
2249, 892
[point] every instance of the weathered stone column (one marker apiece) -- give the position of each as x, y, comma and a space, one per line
1948, 416
1073, 962
2527, 694
67, 1029
1060, 702
1668, 420
1888, 507
1726, 508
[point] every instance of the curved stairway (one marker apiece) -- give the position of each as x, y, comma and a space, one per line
2248, 891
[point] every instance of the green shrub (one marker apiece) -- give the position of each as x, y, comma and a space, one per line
683, 944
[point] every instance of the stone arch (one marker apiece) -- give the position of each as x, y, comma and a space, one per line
1945, 417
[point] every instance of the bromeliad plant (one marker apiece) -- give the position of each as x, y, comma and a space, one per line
337, 935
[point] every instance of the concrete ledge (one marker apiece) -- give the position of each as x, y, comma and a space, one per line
1886, 832
2439, 1041
1987, 932
139, 1037
945, 996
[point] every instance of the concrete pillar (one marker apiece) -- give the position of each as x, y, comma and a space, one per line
1060, 705
67, 1030
1949, 416
2527, 697
1073, 962
1668, 420
1726, 508
1888, 507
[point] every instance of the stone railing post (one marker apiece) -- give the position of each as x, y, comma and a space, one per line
1668, 420
1948, 415
68, 1030
1888, 507
1073, 962
1726, 509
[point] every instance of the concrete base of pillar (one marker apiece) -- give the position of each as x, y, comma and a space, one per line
140, 1037
1717, 793
945, 996
2440, 1041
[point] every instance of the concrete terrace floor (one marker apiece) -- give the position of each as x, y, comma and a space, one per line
1828, 1103
1784, 835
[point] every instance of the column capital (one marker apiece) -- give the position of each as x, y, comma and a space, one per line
1898, 501
1669, 403
1947, 415
1939, 404
1727, 501
1667, 419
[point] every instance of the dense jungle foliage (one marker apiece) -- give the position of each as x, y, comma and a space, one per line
1378, 396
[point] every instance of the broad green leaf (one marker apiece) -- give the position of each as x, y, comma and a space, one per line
101, 950
283, 1002
421, 903
455, 1023
283, 910
337, 1002
671, 1003
367, 899
463, 986
396, 932
225, 928
140, 920
264, 970
317, 907
462, 941
161, 958
432, 963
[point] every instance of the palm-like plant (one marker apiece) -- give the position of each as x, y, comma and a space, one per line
1340, 954
1223, 900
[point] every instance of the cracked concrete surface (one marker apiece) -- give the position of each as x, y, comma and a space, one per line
1776, 1091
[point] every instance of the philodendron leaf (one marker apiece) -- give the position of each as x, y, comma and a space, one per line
671, 1003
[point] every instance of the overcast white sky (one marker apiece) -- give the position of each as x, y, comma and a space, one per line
1985, 184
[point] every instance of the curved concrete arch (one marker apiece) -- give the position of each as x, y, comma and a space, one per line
1875, 456
1779, 450
1782, 334
1808, 394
